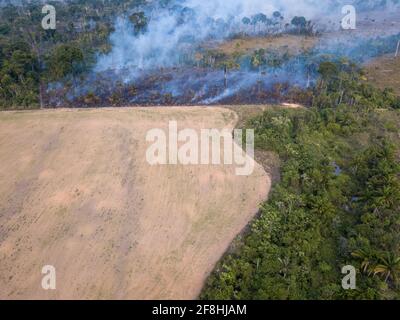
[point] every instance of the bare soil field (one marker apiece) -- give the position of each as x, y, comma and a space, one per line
384, 72
77, 193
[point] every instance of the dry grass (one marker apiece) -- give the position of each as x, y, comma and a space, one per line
384, 72
77, 193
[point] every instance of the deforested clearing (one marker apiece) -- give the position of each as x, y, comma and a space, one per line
77, 193
384, 72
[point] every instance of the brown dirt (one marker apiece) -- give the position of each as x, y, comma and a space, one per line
293, 44
77, 193
384, 72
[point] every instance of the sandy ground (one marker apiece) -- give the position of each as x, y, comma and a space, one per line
384, 72
77, 193
291, 43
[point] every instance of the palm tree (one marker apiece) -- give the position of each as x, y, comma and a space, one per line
388, 267
246, 21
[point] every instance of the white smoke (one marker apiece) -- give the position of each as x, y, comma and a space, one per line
241, 8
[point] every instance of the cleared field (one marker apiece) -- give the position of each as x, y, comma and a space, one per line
384, 72
77, 193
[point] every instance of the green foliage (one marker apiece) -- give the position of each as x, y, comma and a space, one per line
43, 56
337, 203
139, 21
301, 24
268, 58
18, 75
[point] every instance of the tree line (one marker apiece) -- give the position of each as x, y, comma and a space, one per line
31, 58
336, 201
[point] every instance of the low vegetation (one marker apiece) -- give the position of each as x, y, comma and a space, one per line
336, 198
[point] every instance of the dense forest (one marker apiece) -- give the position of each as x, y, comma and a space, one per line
60, 67
337, 200
336, 203
32, 58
